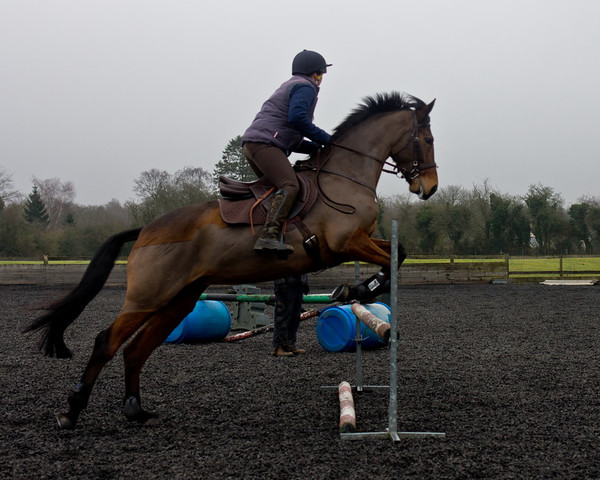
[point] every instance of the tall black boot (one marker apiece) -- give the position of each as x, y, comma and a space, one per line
270, 238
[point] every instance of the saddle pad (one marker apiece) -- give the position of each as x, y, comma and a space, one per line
238, 211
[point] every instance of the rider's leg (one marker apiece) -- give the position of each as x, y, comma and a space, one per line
275, 167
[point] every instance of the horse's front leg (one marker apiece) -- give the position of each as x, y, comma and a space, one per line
371, 250
387, 247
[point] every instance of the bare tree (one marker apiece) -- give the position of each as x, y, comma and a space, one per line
58, 197
7, 194
159, 192
152, 183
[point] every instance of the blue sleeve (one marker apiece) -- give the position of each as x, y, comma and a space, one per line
301, 99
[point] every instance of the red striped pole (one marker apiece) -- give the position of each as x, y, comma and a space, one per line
247, 334
250, 333
347, 412
380, 327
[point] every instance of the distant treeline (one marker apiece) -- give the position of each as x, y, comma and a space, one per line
455, 221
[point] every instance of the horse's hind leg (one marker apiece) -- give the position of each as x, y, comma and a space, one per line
106, 345
152, 335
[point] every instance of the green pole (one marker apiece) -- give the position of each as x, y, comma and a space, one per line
231, 297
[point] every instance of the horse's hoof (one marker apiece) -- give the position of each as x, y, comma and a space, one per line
341, 293
134, 413
151, 419
144, 418
64, 422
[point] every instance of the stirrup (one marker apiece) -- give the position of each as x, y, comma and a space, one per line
274, 246
284, 249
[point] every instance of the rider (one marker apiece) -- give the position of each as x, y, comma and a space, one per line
277, 131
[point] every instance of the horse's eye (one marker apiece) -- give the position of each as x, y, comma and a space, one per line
429, 141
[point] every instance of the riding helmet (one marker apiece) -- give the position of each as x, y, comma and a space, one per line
308, 62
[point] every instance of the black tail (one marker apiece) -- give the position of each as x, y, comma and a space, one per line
63, 312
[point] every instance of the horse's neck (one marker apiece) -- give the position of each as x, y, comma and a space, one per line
374, 140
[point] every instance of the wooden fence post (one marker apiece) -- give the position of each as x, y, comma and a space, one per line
561, 266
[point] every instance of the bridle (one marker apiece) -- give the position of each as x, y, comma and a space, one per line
417, 167
408, 175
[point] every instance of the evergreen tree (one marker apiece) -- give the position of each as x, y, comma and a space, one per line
593, 219
546, 213
233, 163
35, 210
578, 226
426, 226
70, 220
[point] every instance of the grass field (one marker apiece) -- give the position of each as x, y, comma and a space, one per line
51, 262
522, 267
525, 266
547, 264
525, 263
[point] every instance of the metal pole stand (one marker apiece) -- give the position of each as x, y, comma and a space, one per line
392, 431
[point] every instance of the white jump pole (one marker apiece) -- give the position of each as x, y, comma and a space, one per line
347, 412
381, 328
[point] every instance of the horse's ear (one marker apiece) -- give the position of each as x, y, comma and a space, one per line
423, 112
430, 106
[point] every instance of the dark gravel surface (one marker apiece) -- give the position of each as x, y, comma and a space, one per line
510, 373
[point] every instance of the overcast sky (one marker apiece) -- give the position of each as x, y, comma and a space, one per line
98, 91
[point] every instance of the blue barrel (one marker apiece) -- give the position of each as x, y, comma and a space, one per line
336, 328
208, 321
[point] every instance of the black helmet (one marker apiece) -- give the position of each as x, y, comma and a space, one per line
308, 62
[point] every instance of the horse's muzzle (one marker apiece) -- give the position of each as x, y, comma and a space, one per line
425, 196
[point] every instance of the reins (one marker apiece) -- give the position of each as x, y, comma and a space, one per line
326, 199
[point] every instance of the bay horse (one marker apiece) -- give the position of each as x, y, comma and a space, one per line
178, 255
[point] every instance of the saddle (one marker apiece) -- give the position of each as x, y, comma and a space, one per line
249, 202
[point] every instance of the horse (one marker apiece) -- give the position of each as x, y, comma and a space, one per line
178, 255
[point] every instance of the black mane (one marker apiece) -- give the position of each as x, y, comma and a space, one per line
381, 103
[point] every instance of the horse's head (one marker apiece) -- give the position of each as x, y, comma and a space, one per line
415, 159
392, 125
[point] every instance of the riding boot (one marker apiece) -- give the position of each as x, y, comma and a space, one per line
271, 236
